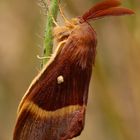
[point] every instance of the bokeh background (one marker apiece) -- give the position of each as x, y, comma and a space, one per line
113, 111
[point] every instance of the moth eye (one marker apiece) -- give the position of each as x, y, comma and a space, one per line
60, 79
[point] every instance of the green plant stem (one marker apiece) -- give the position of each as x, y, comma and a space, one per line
48, 42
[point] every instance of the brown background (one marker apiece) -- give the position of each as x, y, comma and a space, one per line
113, 111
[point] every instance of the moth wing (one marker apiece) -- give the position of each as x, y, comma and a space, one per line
53, 109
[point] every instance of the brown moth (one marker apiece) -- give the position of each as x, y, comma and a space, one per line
53, 108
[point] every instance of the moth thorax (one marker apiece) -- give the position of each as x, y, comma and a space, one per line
61, 33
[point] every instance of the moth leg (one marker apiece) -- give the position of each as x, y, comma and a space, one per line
45, 6
60, 45
57, 50
62, 14
55, 22
43, 57
68, 23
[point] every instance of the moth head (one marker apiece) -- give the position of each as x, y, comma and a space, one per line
99, 10
61, 33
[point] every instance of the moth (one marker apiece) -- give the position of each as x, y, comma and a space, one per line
54, 106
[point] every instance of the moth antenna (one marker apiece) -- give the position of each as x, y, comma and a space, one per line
118, 11
101, 6
105, 8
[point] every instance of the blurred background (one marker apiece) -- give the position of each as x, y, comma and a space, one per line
113, 111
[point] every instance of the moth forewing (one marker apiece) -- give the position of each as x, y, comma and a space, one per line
61, 35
